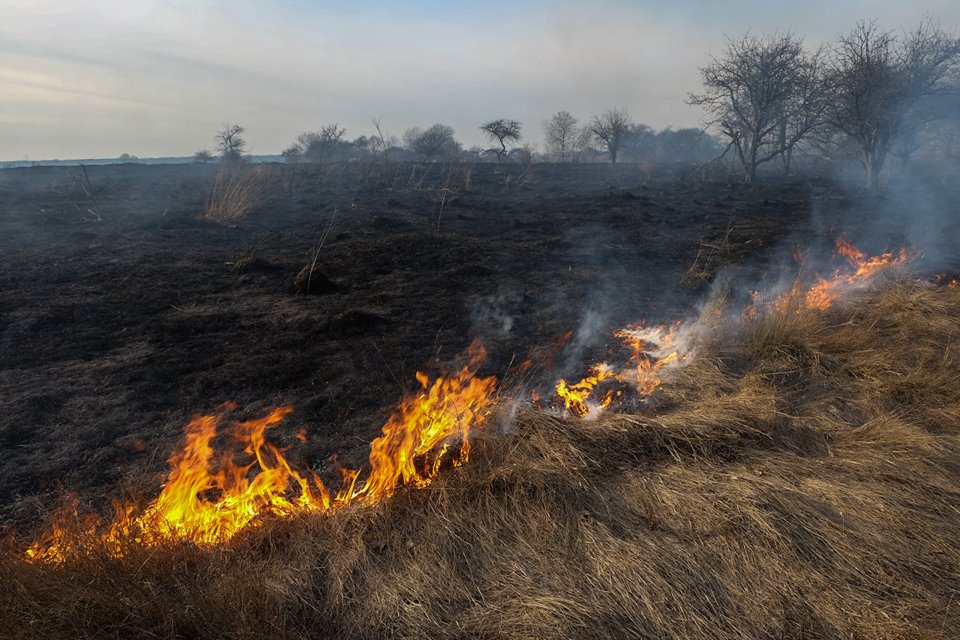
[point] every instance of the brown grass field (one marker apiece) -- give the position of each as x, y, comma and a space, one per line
799, 479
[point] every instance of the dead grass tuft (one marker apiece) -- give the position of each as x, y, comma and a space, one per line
237, 189
799, 482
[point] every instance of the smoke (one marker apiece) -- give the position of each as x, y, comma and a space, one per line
489, 317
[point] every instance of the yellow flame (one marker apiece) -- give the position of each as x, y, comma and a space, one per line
207, 497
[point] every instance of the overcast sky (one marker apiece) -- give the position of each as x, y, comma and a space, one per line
85, 79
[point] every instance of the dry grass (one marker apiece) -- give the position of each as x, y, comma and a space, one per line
237, 189
799, 481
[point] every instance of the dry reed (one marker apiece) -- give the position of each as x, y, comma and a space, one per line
237, 189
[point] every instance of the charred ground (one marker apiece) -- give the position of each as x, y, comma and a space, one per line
122, 312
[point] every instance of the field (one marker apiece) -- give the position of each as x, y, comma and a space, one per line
798, 479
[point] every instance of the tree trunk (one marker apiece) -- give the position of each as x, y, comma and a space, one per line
784, 150
870, 167
751, 164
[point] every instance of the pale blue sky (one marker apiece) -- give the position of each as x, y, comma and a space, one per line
97, 79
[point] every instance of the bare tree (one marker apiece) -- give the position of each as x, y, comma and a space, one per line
502, 131
867, 94
560, 133
203, 156
611, 128
230, 143
750, 95
582, 139
314, 146
930, 59
878, 85
804, 113
435, 141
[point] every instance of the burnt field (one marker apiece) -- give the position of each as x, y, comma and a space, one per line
116, 331
753, 496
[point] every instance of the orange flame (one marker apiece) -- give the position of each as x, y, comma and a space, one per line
208, 498
575, 396
946, 281
825, 291
651, 349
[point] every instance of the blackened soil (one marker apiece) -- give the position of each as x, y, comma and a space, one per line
123, 313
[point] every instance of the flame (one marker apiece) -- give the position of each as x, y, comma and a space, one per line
575, 396
208, 497
752, 309
651, 349
946, 281
446, 410
825, 291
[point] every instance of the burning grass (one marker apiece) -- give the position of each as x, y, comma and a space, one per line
797, 479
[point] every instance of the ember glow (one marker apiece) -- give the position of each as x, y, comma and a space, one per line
208, 497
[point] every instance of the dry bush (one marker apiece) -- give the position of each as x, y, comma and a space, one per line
800, 481
237, 189
710, 257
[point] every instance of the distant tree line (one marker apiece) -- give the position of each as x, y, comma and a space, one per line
610, 136
769, 100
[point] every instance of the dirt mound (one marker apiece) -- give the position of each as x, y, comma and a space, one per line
253, 264
312, 281
797, 480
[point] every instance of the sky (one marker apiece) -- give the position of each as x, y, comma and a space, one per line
85, 79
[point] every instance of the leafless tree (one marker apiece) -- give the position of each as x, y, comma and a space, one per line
930, 59
878, 84
867, 94
433, 142
230, 143
751, 93
582, 139
314, 146
560, 133
502, 131
203, 156
611, 128
804, 113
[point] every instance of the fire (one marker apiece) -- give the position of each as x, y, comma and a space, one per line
946, 281
825, 291
208, 497
407, 451
576, 396
656, 348
651, 349
751, 310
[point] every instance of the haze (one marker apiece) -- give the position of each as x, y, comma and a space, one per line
96, 79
